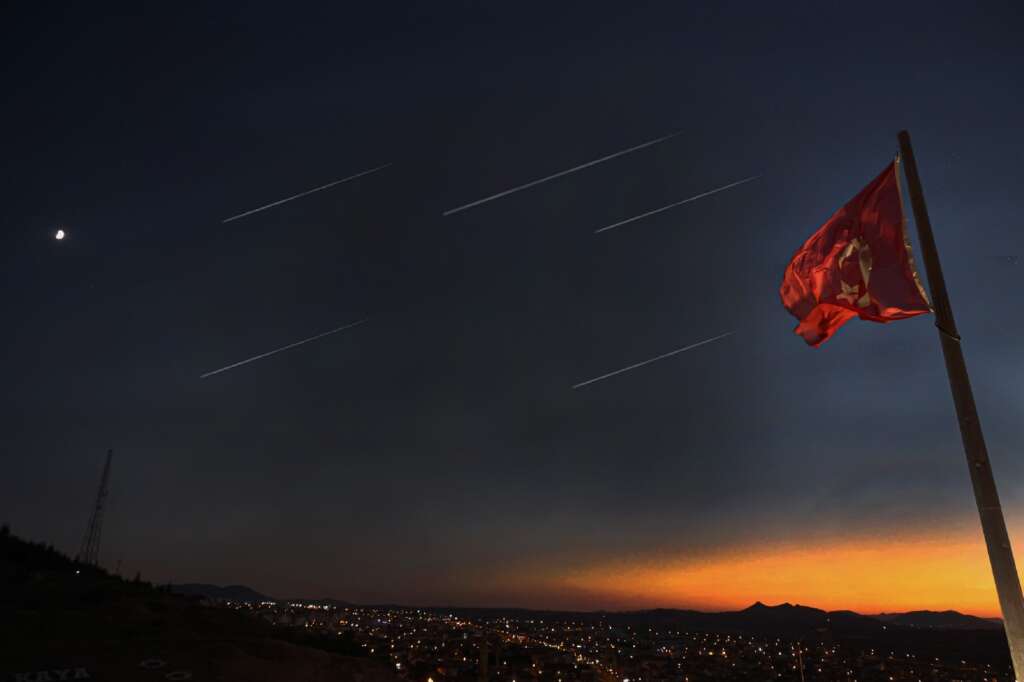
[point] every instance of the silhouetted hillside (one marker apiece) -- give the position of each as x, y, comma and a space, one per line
234, 593
61, 615
785, 620
854, 632
941, 620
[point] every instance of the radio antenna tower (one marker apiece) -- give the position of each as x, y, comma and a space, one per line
90, 551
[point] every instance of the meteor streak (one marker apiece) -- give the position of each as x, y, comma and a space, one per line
678, 203
307, 192
559, 174
647, 362
282, 348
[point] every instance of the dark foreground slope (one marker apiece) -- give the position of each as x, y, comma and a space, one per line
80, 621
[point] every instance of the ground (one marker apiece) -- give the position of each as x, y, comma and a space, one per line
63, 620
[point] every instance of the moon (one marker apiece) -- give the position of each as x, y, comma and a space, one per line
60, 235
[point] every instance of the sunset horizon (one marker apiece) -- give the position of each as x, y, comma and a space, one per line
603, 308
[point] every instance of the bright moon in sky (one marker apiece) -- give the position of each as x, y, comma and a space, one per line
60, 234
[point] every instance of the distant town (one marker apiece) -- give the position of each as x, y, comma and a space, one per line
71, 620
431, 645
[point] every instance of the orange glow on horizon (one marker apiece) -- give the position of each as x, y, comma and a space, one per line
867, 575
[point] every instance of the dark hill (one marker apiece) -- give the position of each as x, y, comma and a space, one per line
785, 620
59, 615
233, 593
940, 620
854, 633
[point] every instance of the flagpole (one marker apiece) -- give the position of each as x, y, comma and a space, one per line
993, 524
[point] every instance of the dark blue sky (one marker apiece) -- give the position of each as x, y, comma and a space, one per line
416, 457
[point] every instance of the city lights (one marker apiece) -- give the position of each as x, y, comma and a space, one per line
420, 644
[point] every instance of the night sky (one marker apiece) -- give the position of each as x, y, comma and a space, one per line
437, 454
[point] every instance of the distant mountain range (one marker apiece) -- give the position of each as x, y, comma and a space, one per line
786, 620
239, 593
940, 620
945, 635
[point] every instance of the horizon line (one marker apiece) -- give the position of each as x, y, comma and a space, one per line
623, 611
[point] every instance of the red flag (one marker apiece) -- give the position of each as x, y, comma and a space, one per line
858, 264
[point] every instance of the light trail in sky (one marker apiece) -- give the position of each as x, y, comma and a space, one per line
678, 203
647, 362
282, 348
559, 174
306, 193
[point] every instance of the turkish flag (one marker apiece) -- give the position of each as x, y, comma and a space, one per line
858, 264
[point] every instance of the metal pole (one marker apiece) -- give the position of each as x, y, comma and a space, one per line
993, 525
89, 553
